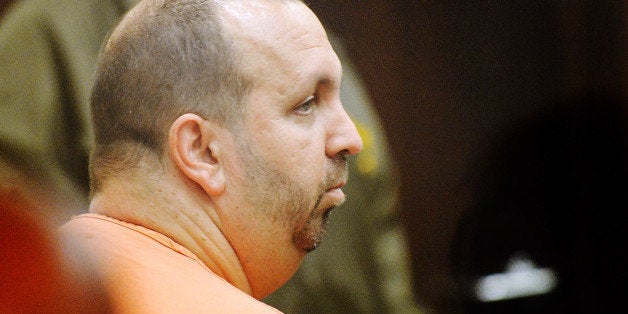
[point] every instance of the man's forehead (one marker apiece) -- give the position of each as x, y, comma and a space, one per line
236, 5
265, 19
273, 28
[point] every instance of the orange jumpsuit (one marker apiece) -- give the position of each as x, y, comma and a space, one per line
146, 272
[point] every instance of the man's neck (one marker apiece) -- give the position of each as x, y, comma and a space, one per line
186, 217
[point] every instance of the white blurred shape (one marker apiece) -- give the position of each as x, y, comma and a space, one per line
521, 279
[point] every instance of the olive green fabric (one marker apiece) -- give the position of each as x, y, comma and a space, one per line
47, 56
48, 50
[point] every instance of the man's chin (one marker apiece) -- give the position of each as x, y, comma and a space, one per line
310, 242
311, 248
314, 231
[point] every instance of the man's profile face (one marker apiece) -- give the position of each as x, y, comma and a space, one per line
289, 167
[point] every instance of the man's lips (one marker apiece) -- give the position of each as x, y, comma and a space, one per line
335, 195
337, 186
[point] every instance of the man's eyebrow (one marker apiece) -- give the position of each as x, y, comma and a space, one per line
327, 80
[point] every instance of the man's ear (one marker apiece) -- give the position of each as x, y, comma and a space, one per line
193, 145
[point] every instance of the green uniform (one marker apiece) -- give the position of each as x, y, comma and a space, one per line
48, 51
47, 56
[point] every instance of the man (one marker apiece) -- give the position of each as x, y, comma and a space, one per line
48, 52
221, 148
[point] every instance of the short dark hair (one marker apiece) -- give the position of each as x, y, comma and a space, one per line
171, 58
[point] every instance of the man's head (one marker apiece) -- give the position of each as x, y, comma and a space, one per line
165, 58
252, 124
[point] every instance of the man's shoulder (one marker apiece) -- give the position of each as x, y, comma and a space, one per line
102, 239
103, 235
145, 272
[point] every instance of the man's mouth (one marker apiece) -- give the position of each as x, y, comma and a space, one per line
334, 196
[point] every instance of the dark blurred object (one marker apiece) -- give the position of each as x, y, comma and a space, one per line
3, 4
446, 76
552, 196
35, 275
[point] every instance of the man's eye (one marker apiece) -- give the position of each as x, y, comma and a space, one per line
306, 106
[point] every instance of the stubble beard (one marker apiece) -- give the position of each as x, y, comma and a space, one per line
314, 231
291, 200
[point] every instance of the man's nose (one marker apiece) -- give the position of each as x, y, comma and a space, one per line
343, 139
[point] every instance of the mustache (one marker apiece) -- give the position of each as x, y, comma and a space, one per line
337, 173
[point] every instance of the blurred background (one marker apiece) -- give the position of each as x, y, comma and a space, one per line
508, 120
508, 123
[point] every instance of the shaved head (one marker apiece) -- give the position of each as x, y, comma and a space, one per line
164, 59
